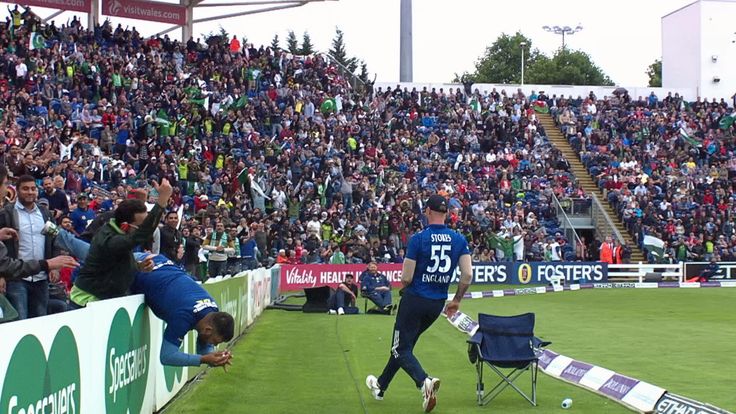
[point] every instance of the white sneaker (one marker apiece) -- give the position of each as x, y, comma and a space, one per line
340, 311
332, 312
372, 383
429, 392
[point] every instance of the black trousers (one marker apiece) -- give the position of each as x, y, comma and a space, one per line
415, 315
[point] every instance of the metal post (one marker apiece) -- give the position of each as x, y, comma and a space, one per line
405, 43
563, 39
188, 28
523, 45
93, 17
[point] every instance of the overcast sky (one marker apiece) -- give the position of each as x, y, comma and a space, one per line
623, 37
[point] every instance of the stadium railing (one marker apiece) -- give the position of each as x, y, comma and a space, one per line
639, 272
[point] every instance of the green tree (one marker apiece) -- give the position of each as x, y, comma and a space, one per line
307, 46
654, 71
363, 75
501, 62
566, 67
220, 36
291, 43
275, 42
339, 52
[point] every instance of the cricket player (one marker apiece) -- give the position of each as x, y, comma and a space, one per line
431, 258
177, 299
184, 305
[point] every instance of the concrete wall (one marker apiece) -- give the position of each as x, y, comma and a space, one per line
681, 48
718, 52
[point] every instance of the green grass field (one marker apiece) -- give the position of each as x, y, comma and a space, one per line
683, 340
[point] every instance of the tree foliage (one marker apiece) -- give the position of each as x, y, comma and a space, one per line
501, 63
339, 52
307, 46
292, 45
221, 36
363, 75
275, 42
567, 67
654, 71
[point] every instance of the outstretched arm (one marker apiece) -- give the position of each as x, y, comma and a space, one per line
170, 355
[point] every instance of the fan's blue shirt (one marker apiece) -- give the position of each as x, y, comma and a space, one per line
437, 251
173, 296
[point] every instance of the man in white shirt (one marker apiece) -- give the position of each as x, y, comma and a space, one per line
555, 250
279, 198
314, 226
21, 70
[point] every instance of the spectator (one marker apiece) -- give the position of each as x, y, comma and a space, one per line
30, 295
192, 244
81, 216
171, 237
17, 268
218, 243
250, 252
110, 267
344, 297
58, 202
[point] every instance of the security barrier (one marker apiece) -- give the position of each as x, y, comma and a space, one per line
105, 358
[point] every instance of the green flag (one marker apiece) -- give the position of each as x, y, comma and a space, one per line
475, 105
192, 91
204, 102
327, 106
727, 120
243, 176
37, 41
690, 140
11, 29
655, 246
240, 103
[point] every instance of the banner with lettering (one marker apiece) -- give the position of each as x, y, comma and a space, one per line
297, 277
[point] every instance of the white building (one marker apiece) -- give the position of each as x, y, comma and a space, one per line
699, 48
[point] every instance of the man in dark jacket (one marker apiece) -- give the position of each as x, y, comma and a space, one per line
191, 253
171, 237
110, 267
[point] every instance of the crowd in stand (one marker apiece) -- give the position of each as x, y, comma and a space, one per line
667, 166
276, 158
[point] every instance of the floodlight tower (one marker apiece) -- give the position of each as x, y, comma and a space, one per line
405, 43
564, 30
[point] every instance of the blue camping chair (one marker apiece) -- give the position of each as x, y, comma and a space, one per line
505, 343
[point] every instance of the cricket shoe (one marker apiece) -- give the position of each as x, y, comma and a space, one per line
429, 393
372, 383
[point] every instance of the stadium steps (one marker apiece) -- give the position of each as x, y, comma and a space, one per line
586, 181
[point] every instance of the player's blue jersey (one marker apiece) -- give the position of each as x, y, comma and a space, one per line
437, 251
173, 296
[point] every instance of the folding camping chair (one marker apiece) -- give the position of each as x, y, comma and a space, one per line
505, 342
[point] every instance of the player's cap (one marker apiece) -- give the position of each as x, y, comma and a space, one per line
437, 203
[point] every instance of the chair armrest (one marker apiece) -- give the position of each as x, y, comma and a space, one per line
538, 343
476, 339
